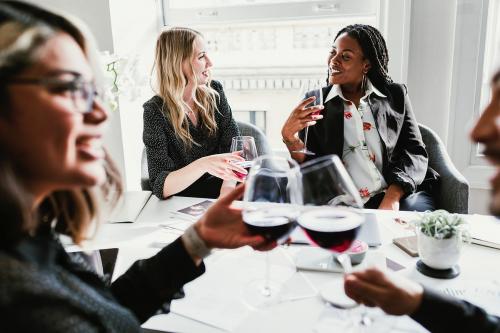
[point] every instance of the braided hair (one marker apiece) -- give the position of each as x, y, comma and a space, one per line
374, 49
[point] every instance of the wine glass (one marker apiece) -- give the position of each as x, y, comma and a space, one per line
306, 90
270, 208
245, 146
326, 183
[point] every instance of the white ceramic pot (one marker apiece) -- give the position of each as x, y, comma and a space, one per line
439, 253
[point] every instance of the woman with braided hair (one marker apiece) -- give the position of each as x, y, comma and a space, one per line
367, 120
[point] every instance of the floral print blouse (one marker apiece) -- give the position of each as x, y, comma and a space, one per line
362, 152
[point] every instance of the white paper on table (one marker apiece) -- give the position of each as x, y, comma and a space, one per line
216, 298
483, 293
112, 235
340, 320
129, 206
484, 230
297, 287
158, 211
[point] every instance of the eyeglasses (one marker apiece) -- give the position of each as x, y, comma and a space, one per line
83, 93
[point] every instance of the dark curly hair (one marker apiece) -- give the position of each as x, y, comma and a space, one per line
374, 49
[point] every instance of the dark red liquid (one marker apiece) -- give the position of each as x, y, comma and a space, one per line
337, 241
332, 230
271, 227
316, 113
241, 175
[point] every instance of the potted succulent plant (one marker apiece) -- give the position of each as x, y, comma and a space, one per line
440, 236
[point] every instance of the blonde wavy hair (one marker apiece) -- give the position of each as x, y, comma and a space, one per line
175, 46
24, 28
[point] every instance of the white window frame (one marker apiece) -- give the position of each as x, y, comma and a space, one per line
266, 12
467, 84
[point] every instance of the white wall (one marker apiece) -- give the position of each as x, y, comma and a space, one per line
135, 29
430, 75
429, 64
95, 13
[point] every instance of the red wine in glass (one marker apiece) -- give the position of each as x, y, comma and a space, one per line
274, 226
245, 165
317, 91
334, 232
331, 229
315, 113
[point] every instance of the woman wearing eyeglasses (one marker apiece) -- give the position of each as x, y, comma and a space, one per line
188, 125
54, 173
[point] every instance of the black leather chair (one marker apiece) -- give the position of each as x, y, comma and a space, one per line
247, 129
145, 186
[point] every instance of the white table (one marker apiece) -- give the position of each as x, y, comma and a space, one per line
158, 224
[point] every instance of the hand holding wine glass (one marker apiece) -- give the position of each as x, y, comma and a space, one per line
245, 147
222, 225
223, 166
305, 114
313, 113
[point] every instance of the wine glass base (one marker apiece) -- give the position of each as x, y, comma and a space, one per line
316, 259
257, 296
361, 317
304, 151
333, 293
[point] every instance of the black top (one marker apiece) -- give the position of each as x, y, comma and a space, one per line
405, 160
167, 153
440, 313
43, 289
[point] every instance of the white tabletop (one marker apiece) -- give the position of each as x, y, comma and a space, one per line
228, 272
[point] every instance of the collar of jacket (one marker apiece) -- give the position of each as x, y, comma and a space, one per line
388, 112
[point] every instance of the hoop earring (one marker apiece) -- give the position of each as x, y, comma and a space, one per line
363, 83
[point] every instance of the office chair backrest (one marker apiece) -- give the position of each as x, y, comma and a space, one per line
453, 194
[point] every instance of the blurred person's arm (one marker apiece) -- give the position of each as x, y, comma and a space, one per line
149, 283
437, 312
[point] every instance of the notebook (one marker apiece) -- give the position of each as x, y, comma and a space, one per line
129, 207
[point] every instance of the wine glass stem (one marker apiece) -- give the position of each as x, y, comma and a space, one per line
266, 290
345, 262
305, 137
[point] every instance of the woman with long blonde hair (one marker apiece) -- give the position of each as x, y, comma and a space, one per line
54, 173
188, 125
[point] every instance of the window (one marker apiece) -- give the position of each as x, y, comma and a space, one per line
476, 56
491, 64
